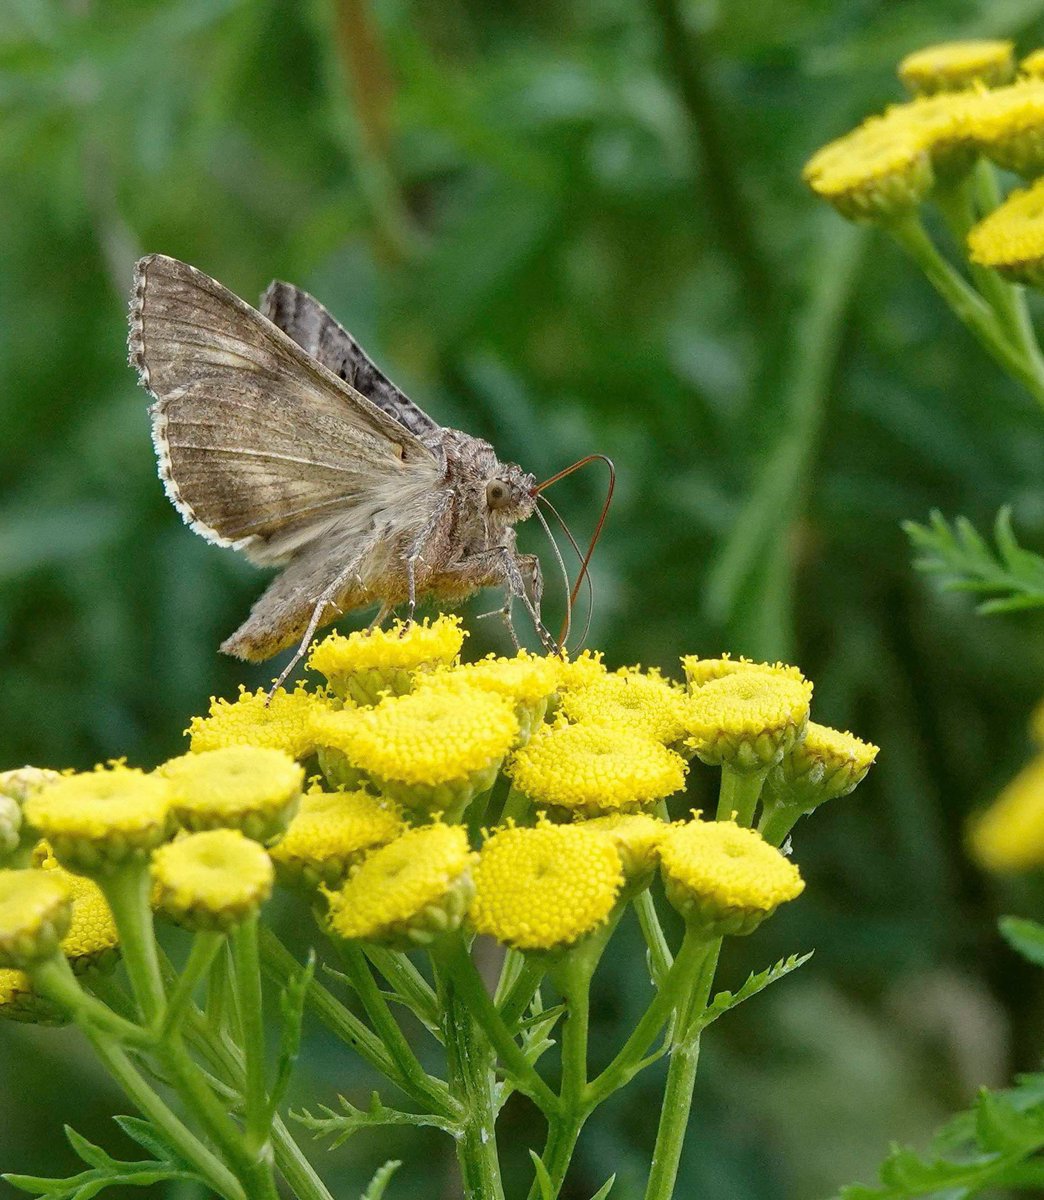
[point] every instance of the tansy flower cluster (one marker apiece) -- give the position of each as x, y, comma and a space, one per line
1008, 835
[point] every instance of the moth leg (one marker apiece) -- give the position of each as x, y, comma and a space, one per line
383, 613
500, 566
411, 584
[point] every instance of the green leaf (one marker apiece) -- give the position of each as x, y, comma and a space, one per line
291, 1010
351, 1120
964, 561
605, 1189
382, 1177
149, 1138
724, 1001
1024, 936
547, 1191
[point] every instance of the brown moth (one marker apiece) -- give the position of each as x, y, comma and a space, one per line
277, 436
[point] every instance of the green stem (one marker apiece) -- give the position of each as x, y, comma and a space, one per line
739, 794
55, 980
431, 1092
660, 957
127, 892
519, 993
470, 1061
248, 985
205, 946
410, 984
298, 1172
777, 821
517, 808
681, 1080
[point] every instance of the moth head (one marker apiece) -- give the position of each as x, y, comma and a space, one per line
510, 494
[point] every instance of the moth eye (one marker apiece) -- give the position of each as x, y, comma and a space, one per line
496, 493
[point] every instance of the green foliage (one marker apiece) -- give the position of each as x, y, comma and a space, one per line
382, 1177
965, 562
722, 1002
1025, 936
340, 1126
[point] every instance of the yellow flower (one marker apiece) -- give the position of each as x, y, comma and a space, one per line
749, 720
241, 787
1033, 64
594, 769
10, 826
699, 671
642, 703
1007, 125
1011, 238
954, 66
370, 662
331, 832
825, 764
433, 750
1009, 835
881, 170
35, 912
408, 892
18, 1001
527, 680
23, 782
250, 720
544, 888
91, 939
100, 819
723, 878
637, 838
580, 671
213, 880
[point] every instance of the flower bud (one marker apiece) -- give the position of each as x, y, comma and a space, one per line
35, 911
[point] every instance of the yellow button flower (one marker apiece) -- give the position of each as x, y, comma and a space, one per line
699, 671
955, 66
881, 170
433, 750
749, 720
35, 911
408, 892
100, 819
1033, 64
723, 878
637, 838
371, 662
241, 787
642, 703
91, 940
595, 769
825, 764
580, 671
1007, 125
545, 888
1009, 835
18, 1001
10, 826
284, 724
213, 880
527, 680
331, 832
1011, 238
23, 782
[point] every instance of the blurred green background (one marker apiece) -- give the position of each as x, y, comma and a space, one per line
568, 228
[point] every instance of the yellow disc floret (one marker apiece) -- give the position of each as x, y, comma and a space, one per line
723, 878
213, 880
19, 1001
699, 671
251, 720
91, 939
331, 832
23, 782
408, 892
642, 703
527, 680
1007, 125
595, 769
825, 764
241, 787
580, 671
1033, 64
35, 912
749, 720
1011, 238
955, 66
372, 662
545, 888
1009, 835
432, 750
102, 818
637, 838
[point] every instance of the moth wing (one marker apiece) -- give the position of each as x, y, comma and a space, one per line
304, 319
260, 446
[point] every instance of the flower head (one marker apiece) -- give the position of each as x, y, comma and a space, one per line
544, 888
825, 764
372, 662
1007, 124
1011, 238
595, 769
19, 1002
23, 782
1009, 835
643, 703
749, 720
699, 671
35, 912
211, 880
251, 720
102, 818
637, 838
331, 832
241, 787
10, 826
1033, 64
580, 671
91, 939
724, 878
433, 750
955, 66
408, 892
527, 680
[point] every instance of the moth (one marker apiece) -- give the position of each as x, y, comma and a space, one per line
279, 437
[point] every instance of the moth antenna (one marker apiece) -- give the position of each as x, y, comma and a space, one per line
567, 624
585, 562
580, 557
